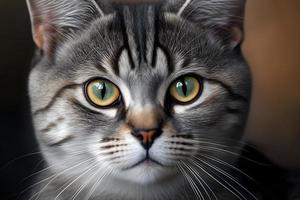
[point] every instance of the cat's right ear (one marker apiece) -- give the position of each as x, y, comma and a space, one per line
54, 21
224, 17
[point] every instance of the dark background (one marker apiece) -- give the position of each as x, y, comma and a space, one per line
16, 139
18, 158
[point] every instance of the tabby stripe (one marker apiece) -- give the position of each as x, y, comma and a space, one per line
228, 88
151, 31
108, 139
54, 98
101, 68
156, 38
233, 110
83, 108
182, 149
112, 158
180, 154
186, 62
69, 137
113, 146
157, 44
112, 152
125, 38
51, 125
139, 19
182, 143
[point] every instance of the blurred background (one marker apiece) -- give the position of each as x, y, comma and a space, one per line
272, 40
16, 139
272, 46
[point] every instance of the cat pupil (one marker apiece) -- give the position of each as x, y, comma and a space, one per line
100, 90
103, 91
184, 87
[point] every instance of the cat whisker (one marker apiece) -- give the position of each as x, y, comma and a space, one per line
208, 148
220, 161
191, 183
35, 184
19, 158
67, 185
178, 157
219, 150
220, 145
197, 164
226, 175
200, 180
33, 175
98, 181
28, 155
53, 177
218, 139
85, 184
236, 144
33, 172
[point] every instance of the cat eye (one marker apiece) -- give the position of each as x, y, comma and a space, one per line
102, 93
186, 89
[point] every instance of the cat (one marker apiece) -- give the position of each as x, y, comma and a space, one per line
143, 100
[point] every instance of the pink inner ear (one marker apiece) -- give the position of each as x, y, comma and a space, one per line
39, 36
236, 36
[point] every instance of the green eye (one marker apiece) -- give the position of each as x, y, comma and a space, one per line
185, 89
102, 92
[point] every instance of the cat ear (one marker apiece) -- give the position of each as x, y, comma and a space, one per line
224, 16
55, 20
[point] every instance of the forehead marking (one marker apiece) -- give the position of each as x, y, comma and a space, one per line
130, 35
152, 27
139, 25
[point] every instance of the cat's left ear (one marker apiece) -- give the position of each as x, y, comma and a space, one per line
55, 20
225, 17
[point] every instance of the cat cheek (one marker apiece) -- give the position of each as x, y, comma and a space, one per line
55, 135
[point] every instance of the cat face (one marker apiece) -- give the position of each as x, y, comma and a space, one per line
137, 92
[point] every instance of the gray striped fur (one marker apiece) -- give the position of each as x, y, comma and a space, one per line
142, 48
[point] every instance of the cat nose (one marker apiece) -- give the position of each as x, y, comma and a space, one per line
145, 117
146, 136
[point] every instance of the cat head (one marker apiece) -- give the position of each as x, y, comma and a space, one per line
138, 90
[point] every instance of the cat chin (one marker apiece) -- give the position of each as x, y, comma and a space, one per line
146, 174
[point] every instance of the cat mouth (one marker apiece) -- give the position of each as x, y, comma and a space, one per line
145, 161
